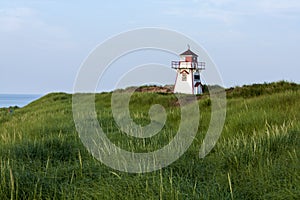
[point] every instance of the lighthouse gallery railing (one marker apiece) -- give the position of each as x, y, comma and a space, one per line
184, 64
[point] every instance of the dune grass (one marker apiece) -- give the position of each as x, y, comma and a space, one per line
256, 157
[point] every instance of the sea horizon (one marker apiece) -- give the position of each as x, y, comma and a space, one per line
19, 100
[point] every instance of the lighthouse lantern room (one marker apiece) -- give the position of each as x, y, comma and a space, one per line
188, 73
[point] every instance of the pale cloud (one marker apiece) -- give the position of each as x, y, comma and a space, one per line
14, 19
26, 23
231, 11
279, 5
203, 11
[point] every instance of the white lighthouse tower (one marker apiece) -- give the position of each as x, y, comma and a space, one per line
188, 73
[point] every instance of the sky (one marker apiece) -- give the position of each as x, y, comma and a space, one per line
44, 42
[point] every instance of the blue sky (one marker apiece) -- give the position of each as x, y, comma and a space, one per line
44, 42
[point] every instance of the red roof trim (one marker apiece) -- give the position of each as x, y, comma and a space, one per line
197, 84
184, 71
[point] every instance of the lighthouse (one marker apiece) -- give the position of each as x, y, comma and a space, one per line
188, 73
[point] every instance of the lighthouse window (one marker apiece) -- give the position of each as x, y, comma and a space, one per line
197, 77
184, 77
188, 59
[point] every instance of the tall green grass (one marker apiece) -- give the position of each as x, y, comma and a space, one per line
257, 156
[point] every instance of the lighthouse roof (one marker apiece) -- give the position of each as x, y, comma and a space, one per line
188, 53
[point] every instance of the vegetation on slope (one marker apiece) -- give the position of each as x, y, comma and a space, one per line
257, 156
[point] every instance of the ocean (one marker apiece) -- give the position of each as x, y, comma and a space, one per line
20, 100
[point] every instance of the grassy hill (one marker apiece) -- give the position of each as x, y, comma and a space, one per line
257, 156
